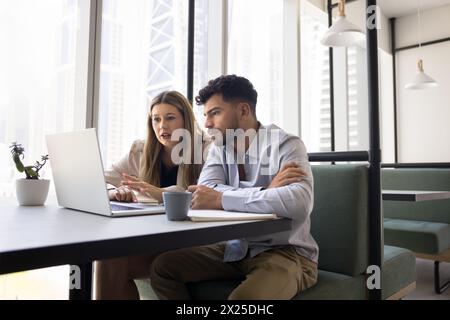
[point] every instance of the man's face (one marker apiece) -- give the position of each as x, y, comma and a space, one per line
220, 115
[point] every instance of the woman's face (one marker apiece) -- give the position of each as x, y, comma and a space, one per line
165, 119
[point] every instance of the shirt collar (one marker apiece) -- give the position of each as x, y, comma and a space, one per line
253, 150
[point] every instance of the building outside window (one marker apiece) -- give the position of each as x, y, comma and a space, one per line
315, 80
255, 43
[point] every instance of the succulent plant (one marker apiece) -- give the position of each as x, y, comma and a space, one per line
31, 172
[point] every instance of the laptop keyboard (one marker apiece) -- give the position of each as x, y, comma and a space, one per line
117, 207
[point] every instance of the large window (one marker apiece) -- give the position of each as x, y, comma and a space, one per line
144, 52
44, 58
351, 131
144, 49
43, 76
315, 80
255, 43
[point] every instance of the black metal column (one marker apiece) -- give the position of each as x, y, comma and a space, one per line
394, 72
375, 218
438, 288
83, 278
331, 64
190, 56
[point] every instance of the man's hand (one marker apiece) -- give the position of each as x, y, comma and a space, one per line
205, 198
290, 173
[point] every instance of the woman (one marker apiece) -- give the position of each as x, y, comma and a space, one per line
149, 169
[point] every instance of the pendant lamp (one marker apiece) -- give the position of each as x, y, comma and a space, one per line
343, 33
421, 80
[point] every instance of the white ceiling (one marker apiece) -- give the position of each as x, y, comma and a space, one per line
398, 8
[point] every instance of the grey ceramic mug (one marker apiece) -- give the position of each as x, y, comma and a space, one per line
177, 205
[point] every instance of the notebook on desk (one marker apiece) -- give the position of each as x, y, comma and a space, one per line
141, 198
221, 215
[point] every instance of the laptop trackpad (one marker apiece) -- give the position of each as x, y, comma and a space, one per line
121, 207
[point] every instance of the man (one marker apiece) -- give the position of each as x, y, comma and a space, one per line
241, 177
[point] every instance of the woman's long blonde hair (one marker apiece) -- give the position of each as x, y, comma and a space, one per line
151, 158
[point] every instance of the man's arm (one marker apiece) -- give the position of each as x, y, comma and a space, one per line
213, 174
215, 177
292, 201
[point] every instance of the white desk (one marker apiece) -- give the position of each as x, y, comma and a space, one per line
38, 237
414, 196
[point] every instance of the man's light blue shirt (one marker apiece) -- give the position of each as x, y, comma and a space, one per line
267, 154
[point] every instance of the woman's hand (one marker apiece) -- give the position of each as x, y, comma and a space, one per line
123, 194
141, 186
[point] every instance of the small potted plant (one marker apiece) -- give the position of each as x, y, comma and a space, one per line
30, 191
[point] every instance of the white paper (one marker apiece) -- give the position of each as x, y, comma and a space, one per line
221, 215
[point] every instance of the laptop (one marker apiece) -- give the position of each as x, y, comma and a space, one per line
79, 177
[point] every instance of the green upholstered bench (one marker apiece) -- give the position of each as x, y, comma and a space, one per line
339, 223
398, 280
422, 227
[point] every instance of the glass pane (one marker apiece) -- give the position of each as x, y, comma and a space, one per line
144, 52
315, 80
255, 43
43, 90
358, 110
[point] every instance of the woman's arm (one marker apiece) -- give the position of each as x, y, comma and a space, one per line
128, 164
142, 187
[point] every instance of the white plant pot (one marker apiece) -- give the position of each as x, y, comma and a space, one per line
32, 192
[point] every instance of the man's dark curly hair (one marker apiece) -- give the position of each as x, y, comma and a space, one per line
232, 88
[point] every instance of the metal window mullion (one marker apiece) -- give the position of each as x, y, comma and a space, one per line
291, 121
217, 38
331, 62
190, 53
93, 73
225, 36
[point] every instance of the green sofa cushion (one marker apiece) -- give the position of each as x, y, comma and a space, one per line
330, 286
335, 286
417, 179
339, 221
398, 272
418, 236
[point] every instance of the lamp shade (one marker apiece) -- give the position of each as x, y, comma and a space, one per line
421, 80
343, 34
